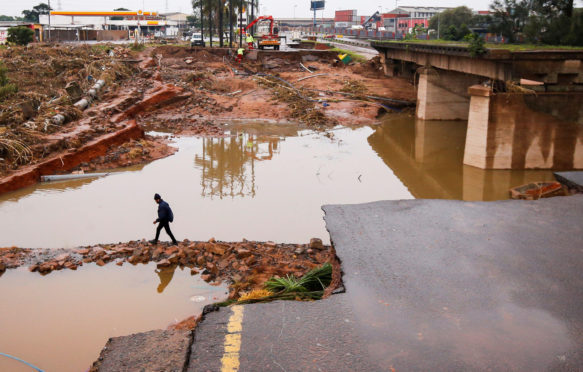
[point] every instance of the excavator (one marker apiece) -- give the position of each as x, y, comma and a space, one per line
267, 32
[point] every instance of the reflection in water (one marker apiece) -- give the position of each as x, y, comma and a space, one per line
228, 164
65, 185
165, 276
427, 156
60, 322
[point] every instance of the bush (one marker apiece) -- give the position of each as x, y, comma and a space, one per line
137, 47
6, 88
476, 46
20, 35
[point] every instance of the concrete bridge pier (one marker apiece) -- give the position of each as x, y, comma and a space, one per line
524, 131
443, 95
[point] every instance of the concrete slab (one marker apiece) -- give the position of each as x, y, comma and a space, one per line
284, 336
449, 285
432, 285
573, 180
149, 351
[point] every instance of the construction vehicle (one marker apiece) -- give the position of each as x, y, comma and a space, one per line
370, 23
267, 34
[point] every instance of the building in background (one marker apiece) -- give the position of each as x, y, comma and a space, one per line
404, 18
71, 25
5, 25
346, 18
179, 18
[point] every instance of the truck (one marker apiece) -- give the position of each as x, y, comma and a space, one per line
267, 34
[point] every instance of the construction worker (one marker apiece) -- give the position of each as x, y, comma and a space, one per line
240, 53
249, 40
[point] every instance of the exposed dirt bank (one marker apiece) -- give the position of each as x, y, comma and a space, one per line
181, 90
244, 265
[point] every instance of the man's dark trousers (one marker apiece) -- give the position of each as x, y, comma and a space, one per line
166, 225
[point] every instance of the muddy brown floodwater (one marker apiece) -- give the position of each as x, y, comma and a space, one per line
61, 321
261, 182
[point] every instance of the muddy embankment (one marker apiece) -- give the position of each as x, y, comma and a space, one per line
180, 90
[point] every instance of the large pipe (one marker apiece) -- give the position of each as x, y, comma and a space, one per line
66, 177
83, 103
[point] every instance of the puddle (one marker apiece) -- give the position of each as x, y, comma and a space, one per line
61, 321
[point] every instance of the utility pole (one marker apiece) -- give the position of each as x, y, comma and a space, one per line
49, 21
252, 16
210, 2
240, 21
230, 23
201, 21
221, 11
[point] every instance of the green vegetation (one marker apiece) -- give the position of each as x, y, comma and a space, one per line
33, 15
315, 280
6, 88
355, 56
510, 47
550, 22
20, 35
475, 45
454, 24
5, 18
417, 30
137, 47
309, 287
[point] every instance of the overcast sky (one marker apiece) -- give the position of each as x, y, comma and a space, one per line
278, 8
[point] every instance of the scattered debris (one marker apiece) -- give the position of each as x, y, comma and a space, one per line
538, 190
246, 265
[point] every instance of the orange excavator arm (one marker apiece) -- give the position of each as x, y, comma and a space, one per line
270, 18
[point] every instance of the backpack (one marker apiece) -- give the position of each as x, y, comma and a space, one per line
170, 214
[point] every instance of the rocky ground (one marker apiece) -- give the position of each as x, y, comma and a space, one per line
245, 265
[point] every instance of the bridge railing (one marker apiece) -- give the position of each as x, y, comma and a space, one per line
384, 35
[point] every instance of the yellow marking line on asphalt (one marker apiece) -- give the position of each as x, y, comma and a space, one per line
230, 360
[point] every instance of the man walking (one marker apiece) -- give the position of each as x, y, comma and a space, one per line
165, 216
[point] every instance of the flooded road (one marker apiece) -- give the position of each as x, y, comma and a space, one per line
61, 321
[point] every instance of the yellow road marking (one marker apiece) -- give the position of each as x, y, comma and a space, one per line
230, 361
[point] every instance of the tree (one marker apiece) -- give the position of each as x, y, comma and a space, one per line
552, 22
20, 35
119, 10
510, 17
193, 20
4, 18
460, 18
552, 19
33, 15
450, 33
208, 8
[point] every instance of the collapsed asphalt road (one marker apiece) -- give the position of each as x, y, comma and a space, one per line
430, 285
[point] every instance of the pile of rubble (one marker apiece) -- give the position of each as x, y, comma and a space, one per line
246, 265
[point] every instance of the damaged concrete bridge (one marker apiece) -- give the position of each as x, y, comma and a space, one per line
524, 108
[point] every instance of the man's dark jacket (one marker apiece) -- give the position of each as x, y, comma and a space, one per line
164, 212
